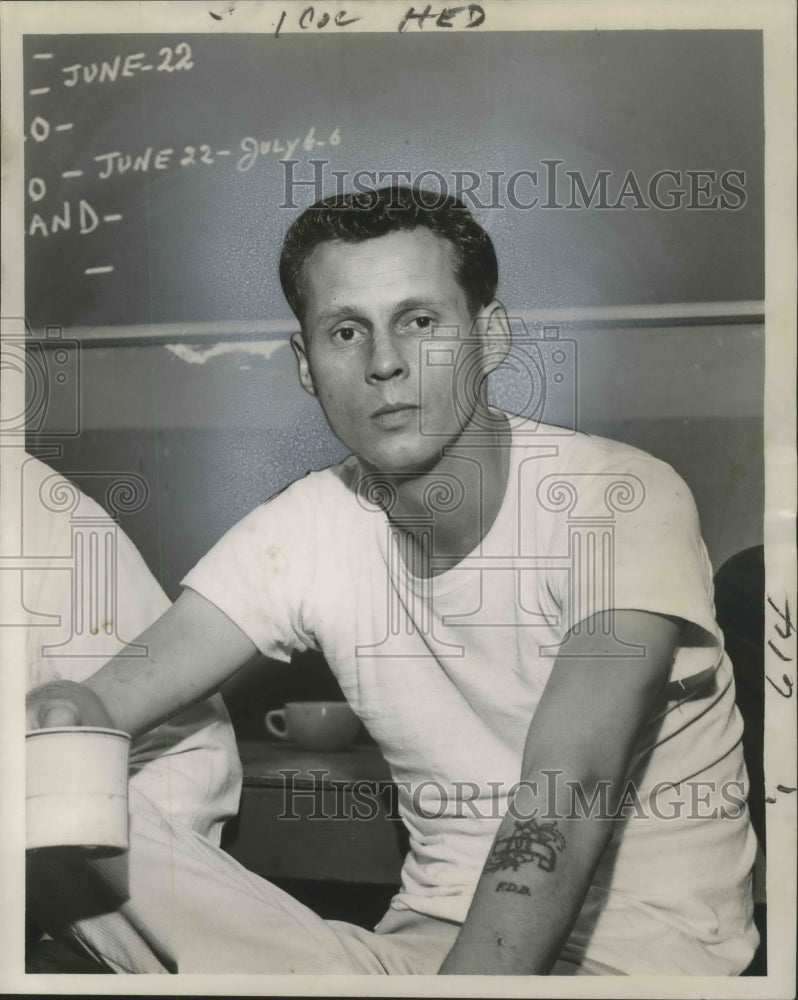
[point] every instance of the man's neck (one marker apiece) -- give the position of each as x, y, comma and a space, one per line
446, 512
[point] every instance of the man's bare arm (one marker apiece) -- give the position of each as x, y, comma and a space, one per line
540, 867
192, 649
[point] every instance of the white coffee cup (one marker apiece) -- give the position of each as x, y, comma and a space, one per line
314, 725
76, 788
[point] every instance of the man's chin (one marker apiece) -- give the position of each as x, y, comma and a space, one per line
402, 464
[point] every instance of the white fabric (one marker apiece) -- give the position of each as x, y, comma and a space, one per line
190, 765
177, 903
446, 675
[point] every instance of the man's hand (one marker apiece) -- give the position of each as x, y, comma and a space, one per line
65, 703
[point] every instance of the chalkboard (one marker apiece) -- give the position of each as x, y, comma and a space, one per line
157, 181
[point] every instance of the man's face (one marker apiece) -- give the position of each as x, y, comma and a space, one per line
368, 308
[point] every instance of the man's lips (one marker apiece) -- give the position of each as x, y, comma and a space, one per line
395, 414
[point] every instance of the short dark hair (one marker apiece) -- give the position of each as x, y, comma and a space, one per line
355, 217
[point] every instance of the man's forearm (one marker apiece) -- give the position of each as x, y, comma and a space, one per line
529, 894
138, 694
180, 659
585, 726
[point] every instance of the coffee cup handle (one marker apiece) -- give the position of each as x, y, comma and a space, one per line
281, 731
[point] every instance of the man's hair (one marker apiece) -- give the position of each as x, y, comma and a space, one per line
355, 217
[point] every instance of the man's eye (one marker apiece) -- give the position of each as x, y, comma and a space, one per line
421, 323
347, 335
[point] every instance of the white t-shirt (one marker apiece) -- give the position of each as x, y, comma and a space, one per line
86, 592
446, 673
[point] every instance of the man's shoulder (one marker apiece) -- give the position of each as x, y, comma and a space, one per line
49, 505
601, 469
575, 451
316, 490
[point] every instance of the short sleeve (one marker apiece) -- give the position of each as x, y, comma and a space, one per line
632, 530
259, 573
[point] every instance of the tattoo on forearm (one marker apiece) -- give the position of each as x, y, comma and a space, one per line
529, 841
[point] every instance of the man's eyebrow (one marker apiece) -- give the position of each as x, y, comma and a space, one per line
353, 313
339, 312
416, 303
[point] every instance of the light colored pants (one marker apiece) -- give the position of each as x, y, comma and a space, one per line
177, 903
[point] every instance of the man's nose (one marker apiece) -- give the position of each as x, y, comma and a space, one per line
387, 359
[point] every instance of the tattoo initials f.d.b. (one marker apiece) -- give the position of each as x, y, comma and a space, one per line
522, 890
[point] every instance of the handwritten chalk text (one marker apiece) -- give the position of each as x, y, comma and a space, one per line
85, 219
252, 148
116, 162
170, 60
120, 163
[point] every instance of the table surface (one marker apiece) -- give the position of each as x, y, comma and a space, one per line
268, 764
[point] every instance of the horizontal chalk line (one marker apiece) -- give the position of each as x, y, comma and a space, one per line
701, 314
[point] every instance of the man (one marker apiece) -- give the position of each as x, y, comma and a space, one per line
521, 617
76, 617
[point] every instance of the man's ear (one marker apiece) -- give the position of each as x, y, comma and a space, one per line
305, 378
493, 329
